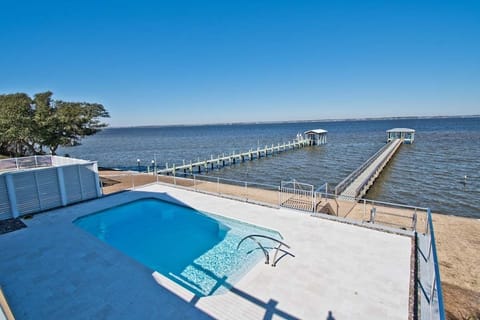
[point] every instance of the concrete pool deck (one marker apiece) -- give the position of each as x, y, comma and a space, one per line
53, 269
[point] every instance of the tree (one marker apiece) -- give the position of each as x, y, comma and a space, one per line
16, 130
44, 119
27, 126
73, 121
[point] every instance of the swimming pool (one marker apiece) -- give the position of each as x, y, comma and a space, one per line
195, 249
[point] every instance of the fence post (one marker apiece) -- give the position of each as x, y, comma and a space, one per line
133, 181
427, 226
414, 221
432, 292
218, 185
194, 184
12, 197
246, 191
278, 197
61, 185
373, 211
429, 246
364, 209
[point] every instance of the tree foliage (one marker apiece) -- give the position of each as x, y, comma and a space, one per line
36, 125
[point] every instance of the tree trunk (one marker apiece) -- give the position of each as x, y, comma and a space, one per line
53, 150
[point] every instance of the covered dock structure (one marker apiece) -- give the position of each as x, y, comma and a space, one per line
316, 136
405, 134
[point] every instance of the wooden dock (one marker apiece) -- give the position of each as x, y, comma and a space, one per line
359, 181
229, 159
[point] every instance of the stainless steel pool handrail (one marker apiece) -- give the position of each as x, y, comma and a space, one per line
265, 251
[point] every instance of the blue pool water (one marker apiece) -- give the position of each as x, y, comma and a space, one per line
195, 249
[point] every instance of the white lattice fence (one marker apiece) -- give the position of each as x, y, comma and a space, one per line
30, 191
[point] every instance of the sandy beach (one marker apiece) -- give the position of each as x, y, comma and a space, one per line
457, 238
457, 243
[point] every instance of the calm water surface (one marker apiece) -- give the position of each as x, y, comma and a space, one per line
428, 173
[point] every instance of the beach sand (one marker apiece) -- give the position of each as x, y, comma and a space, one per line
458, 239
458, 243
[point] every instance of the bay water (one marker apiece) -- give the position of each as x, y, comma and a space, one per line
429, 173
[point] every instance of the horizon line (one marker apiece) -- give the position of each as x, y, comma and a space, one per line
293, 121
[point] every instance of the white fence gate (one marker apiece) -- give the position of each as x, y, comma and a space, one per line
297, 195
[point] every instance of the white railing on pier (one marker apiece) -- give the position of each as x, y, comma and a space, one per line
357, 183
355, 173
228, 159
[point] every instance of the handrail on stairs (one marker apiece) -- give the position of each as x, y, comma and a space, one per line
265, 251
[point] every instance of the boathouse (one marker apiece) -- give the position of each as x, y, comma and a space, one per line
316, 137
405, 134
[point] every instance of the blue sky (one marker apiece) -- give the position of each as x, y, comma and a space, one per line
173, 62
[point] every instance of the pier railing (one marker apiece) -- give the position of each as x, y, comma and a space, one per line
355, 173
220, 161
368, 180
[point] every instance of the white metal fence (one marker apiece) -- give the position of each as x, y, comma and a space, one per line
297, 195
430, 291
14, 164
24, 163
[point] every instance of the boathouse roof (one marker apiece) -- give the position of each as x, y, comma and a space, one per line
318, 131
401, 130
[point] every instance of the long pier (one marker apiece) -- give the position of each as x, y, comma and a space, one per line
229, 159
360, 180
